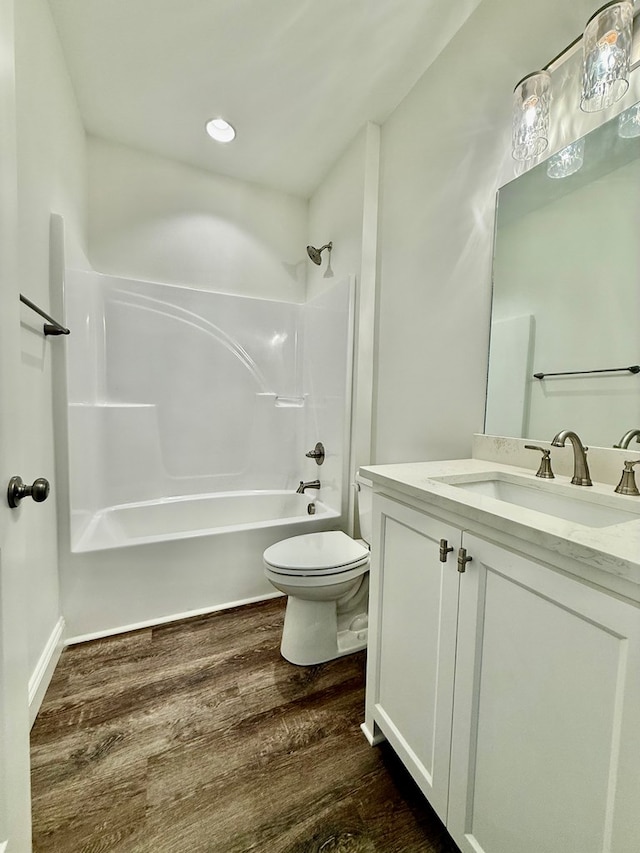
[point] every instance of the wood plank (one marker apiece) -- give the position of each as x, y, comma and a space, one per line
198, 736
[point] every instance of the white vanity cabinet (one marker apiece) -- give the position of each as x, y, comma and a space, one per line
511, 691
413, 614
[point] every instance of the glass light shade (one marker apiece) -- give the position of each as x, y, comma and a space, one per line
531, 99
629, 123
568, 161
606, 56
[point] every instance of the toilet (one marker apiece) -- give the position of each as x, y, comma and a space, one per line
326, 578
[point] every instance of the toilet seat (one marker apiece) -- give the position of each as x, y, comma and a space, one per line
316, 555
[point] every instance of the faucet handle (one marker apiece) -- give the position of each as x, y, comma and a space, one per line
627, 484
317, 453
544, 470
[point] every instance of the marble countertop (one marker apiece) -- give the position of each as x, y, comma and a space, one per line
614, 549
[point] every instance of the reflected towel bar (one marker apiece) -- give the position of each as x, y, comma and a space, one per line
50, 328
634, 368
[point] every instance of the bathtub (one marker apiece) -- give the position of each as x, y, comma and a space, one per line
197, 515
141, 564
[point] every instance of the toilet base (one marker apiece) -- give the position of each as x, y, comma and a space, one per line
318, 631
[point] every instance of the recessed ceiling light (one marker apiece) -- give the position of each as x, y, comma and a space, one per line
220, 130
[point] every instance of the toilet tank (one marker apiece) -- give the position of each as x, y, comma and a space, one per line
364, 489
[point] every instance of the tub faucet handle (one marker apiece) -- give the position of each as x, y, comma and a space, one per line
544, 470
317, 453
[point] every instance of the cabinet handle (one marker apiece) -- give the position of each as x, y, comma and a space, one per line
463, 559
444, 550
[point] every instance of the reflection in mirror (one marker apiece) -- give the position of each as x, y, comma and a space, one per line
566, 295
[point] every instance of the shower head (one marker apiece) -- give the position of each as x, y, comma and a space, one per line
315, 254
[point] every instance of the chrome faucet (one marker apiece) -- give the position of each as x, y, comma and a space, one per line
625, 441
581, 476
312, 484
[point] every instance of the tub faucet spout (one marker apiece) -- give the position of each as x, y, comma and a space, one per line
312, 484
581, 476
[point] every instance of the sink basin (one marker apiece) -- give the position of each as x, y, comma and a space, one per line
592, 510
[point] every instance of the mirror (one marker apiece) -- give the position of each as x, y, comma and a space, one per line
566, 294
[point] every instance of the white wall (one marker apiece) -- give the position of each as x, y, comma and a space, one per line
116, 456
159, 220
445, 150
51, 177
335, 214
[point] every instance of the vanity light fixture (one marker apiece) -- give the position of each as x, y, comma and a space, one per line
220, 130
531, 99
568, 161
606, 56
606, 65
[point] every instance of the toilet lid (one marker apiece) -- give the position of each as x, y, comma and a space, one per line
316, 552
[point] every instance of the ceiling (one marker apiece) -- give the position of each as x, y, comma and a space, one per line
296, 78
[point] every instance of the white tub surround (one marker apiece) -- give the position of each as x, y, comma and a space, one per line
188, 417
504, 648
177, 391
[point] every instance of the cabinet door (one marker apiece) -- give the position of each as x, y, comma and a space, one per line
545, 747
415, 603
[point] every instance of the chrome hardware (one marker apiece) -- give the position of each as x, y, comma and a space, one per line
581, 476
463, 559
545, 463
625, 441
627, 484
312, 484
445, 549
38, 490
317, 453
311, 509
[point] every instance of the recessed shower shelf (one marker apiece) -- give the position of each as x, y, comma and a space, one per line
103, 405
290, 402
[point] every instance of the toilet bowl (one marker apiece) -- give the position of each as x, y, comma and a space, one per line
325, 576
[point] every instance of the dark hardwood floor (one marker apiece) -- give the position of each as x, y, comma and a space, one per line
197, 736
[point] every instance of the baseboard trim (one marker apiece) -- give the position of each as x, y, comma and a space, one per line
163, 620
42, 674
374, 739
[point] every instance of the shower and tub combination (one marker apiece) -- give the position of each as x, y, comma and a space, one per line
189, 421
